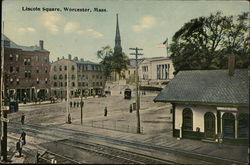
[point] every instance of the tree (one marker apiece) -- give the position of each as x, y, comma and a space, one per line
205, 42
110, 62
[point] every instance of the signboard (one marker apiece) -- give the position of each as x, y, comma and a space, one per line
227, 108
5, 108
4, 119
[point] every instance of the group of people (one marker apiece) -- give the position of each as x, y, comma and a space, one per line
76, 104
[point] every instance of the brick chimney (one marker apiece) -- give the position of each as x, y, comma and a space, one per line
69, 57
41, 44
231, 64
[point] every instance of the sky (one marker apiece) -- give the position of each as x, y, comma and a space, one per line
143, 23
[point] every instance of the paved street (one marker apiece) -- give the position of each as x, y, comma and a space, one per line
118, 125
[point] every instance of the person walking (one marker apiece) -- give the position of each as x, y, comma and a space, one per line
105, 111
130, 108
71, 104
22, 118
74, 104
23, 137
77, 104
19, 147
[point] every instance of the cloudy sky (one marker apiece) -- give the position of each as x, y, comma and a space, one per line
143, 23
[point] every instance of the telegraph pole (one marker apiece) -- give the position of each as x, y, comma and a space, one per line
3, 109
137, 88
68, 117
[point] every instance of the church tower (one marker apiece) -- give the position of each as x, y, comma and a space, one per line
118, 47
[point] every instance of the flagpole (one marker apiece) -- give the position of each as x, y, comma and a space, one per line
167, 46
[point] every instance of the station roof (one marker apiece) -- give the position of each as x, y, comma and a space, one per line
213, 87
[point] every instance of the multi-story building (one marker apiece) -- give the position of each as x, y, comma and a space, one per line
84, 77
26, 71
156, 70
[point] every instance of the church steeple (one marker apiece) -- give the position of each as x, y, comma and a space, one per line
118, 47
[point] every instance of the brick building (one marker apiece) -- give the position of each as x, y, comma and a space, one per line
26, 71
84, 77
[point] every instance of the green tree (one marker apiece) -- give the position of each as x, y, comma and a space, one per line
205, 42
110, 62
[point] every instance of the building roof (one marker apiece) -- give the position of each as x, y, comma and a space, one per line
213, 87
13, 45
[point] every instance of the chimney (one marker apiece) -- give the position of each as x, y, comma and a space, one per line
69, 57
63, 57
231, 64
58, 58
41, 44
82, 60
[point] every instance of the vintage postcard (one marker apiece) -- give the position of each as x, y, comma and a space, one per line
124, 82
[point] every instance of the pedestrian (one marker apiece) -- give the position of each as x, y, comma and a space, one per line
105, 111
23, 137
22, 118
78, 104
71, 104
74, 104
35, 100
130, 108
19, 147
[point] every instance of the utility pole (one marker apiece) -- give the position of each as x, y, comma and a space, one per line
3, 109
81, 104
137, 88
68, 117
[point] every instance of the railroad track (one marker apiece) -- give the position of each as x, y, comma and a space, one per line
102, 150
133, 144
46, 156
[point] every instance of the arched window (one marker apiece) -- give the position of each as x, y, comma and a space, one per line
228, 122
187, 115
243, 127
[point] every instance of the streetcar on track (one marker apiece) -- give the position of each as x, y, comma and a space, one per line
127, 93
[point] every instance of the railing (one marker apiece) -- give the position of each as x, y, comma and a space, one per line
113, 125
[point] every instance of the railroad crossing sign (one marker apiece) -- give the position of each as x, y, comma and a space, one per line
4, 119
5, 108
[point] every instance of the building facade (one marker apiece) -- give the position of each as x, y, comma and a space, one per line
84, 77
156, 70
26, 71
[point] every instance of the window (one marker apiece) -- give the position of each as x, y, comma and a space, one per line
11, 57
93, 83
79, 84
60, 68
65, 67
25, 74
61, 84
46, 70
243, 126
228, 124
187, 115
65, 83
73, 77
101, 83
55, 84
37, 58
37, 70
73, 84
97, 76
11, 80
37, 81
73, 67
11, 69
46, 59
46, 81
97, 83
17, 69
17, 57
65, 76
27, 61
60, 77
17, 81
100, 77
55, 77
93, 76
55, 69
86, 76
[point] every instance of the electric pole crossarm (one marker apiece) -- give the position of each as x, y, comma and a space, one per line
137, 88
